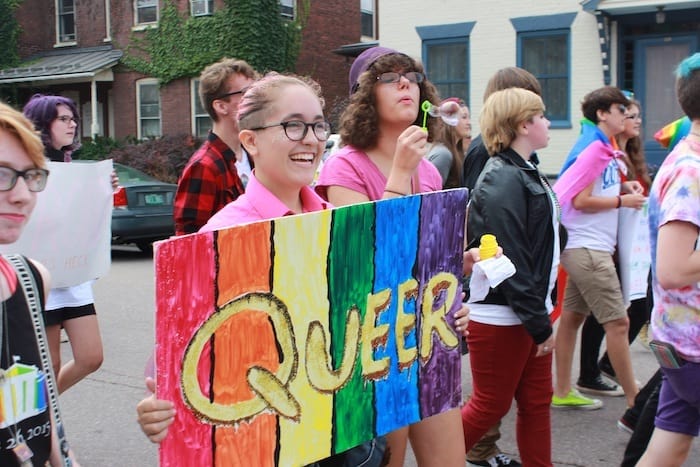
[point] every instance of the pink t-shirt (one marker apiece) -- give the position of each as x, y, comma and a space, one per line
258, 203
351, 168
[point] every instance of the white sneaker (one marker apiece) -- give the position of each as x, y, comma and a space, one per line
496, 461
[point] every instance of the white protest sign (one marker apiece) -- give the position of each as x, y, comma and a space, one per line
634, 252
70, 229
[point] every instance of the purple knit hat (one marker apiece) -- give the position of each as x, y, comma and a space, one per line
364, 61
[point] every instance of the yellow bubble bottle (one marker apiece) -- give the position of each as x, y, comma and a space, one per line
488, 246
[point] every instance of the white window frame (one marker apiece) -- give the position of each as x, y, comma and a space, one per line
197, 117
208, 7
60, 36
285, 6
373, 12
139, 84
137, 22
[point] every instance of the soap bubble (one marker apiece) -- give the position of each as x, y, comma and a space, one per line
448, 111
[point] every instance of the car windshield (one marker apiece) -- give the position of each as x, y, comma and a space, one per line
129, 174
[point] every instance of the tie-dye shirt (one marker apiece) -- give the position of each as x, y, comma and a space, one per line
675, 196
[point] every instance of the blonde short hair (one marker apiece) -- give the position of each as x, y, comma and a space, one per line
503, 112
17, 125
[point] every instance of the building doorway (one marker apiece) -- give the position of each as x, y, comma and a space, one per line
655, 63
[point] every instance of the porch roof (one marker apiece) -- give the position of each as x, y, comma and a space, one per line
626, 7
74, 65
353, 50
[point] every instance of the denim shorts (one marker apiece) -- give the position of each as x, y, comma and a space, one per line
679, 400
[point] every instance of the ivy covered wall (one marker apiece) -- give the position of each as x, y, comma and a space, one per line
9, 33
181, 46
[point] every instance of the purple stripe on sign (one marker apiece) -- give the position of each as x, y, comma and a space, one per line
440, 370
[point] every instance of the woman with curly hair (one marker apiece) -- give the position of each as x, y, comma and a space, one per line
384, 157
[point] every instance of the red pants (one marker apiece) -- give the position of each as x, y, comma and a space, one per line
504, 367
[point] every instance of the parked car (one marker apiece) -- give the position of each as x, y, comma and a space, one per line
332, 145
143, 209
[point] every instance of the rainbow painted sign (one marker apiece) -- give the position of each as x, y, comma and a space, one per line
282, 342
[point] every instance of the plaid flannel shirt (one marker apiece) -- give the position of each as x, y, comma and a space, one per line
208, 183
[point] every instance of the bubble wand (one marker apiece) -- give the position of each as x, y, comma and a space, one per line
448, 111
425, 107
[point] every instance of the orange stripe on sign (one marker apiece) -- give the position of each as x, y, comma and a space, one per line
253, 442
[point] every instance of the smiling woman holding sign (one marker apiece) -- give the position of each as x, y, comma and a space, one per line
283, 128
71, 308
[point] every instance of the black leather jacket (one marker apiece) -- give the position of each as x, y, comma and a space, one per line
510, 201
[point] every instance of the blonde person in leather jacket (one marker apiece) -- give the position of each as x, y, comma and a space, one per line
510, 334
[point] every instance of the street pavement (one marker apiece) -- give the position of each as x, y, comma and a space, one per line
100, 412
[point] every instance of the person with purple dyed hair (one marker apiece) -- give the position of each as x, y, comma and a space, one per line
72, 308
58, 121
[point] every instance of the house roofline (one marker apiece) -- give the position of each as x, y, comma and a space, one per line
353, 50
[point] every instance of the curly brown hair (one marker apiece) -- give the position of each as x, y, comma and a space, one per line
359, 123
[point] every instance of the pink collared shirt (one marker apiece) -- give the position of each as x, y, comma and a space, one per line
258, 203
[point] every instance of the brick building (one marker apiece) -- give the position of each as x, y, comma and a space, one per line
74, 48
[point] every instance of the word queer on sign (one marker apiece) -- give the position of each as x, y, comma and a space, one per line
285, 341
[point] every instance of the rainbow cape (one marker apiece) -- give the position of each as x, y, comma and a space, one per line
672, 133
587, 159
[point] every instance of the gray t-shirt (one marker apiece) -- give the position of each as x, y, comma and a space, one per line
441, 158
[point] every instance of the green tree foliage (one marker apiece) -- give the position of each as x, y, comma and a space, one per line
9, 33
252, 30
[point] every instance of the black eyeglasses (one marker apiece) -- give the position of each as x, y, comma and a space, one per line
34, 178
393, 77
233, 93
296, 129
66, 119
